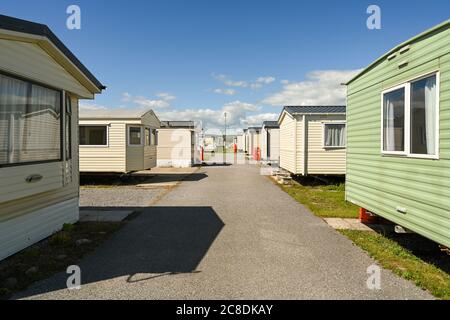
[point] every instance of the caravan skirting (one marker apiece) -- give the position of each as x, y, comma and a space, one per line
21, 232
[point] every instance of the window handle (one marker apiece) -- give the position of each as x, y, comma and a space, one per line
34, 178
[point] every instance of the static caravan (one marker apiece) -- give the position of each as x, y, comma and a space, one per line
246, 141
117, 140
41, 82
178, 144
313, 140
240, 142
270, 141
254, 142
399, 135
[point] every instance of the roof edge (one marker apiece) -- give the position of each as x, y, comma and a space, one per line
442, 25
39, 29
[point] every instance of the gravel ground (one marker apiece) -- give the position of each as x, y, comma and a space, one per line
119, 196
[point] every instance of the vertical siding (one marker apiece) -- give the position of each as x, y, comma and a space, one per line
382, 184
319, 159
288, 132
105, 159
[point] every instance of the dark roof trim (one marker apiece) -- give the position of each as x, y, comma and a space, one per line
271, 124
178, 124
19, 25
314, 109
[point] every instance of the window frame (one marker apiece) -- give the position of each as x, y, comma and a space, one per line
149, 136
61, 120
407, 125
154, 134
142, 136
324, 124
69, 156
94, 145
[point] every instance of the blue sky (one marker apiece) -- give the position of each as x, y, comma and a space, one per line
195, 59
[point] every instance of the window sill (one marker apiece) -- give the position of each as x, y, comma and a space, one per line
31, 163
334, 148
94, 146
412, 156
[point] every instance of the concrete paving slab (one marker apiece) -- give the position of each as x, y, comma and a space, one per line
347, 224
104, 215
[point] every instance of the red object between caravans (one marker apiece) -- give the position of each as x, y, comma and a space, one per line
367, 217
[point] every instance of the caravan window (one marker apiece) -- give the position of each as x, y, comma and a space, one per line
135, 136
93, 135
154, 137
147, 137
30, 122
334, 135
394, 121
410, 118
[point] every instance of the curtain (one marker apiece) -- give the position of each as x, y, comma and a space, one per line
30, 127
335, 135
13, 101
389, 128
41, 137
430, 114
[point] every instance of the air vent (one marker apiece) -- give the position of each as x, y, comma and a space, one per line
404, 49
392, 56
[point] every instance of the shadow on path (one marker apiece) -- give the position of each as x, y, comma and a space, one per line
159, 241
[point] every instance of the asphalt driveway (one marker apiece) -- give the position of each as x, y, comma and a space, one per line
231, 235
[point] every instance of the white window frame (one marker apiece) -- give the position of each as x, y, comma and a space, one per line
96, 145
324, 124
150, 136
61, 123
407, 134
142, 136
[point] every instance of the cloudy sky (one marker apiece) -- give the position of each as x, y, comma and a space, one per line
196, 59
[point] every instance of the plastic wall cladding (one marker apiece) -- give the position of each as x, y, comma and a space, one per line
384, 184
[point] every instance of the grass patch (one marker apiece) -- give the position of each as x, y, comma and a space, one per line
393, 256
52, 255
325, 200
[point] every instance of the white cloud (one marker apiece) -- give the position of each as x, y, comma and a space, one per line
228, 82
166, 96
284, 81
258, 119
255, 85
90, 107
228, 92
265, 80
320, 88
237, 113
143, 102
